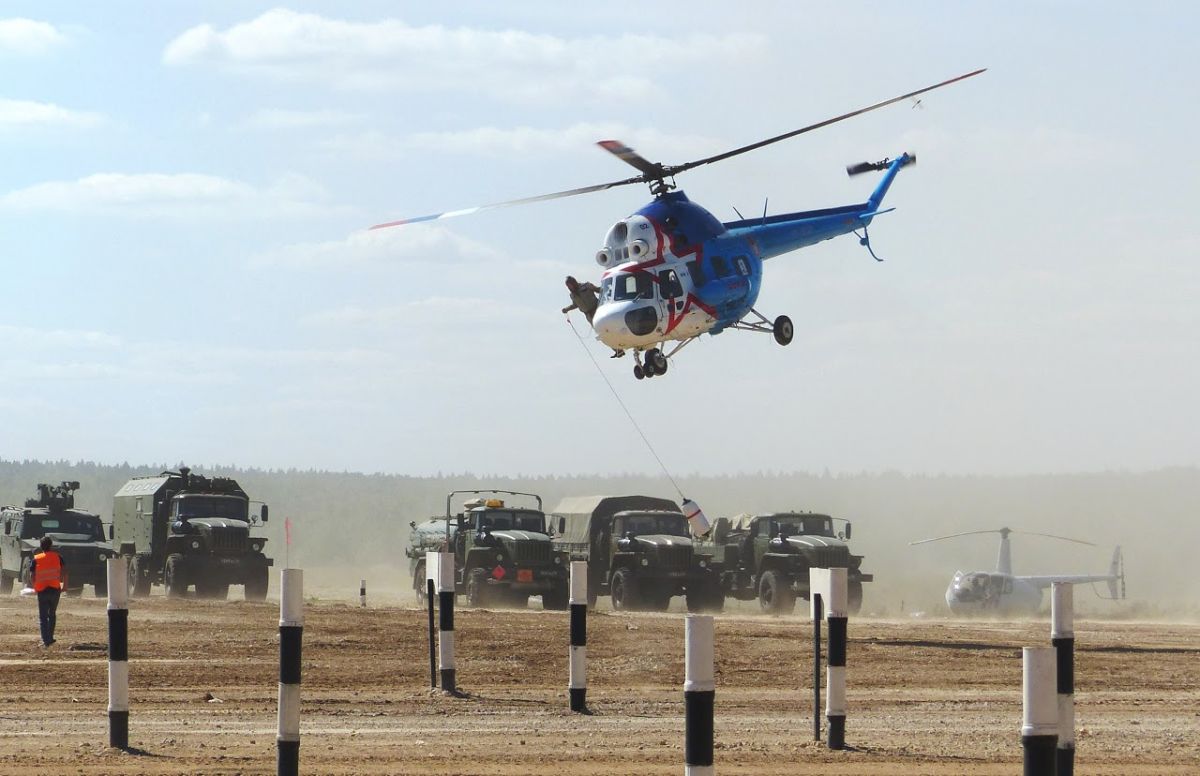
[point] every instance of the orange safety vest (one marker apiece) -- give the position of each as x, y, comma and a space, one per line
48, 571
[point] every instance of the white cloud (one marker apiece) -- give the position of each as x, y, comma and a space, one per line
28, 37
26, 113
14, 337
508, 64
435, 313
278, 119
414, 243
173, 194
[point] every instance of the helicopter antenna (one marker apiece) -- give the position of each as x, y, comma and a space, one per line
765, 201
628, 414
742, 217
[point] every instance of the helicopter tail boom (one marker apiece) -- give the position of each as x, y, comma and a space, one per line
893, 168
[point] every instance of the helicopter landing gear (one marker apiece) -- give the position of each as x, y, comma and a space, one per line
782, 329
656, 364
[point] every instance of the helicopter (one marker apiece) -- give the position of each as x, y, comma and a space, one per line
1002, 593
673, 271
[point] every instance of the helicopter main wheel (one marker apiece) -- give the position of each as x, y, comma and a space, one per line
656, 359
782, 329
638, 372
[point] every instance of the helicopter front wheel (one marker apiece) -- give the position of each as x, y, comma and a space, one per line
638, 372
782, 329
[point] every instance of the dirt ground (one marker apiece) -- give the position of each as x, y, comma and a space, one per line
926, 697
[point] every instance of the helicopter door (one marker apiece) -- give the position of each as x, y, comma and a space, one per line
671, 291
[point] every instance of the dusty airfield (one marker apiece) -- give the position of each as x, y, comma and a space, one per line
927, 697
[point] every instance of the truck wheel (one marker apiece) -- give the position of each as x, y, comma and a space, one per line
775, 595
854, 597
139, 580
557, 599
27, 571
256, 585
6, 585
624, 591
477, 588
173, 576
419, 584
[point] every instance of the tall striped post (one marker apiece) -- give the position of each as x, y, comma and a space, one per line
118, 653
699, 693
291, 630
817, 614
445, 589
577, 683
362, 593
1039, 728
1062, 636
835, 672
431, 562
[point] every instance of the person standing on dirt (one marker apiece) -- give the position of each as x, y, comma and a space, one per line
47, 575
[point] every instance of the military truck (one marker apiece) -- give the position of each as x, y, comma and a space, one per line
502, 553
180, 529
78, 537
768, 557
639, 552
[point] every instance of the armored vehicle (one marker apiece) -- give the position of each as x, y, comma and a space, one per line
768, 557
181, 529
502, 553
639, 552
78, 537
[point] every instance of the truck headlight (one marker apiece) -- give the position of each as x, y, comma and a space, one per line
703, 564
558, 560
645, 561
499, 557
195, 544
256, 546
103, 557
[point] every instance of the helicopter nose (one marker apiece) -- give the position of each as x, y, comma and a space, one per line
609, 324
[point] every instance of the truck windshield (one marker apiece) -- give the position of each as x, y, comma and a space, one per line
79, 525
811, 525
210, 506
669, 524
510, 521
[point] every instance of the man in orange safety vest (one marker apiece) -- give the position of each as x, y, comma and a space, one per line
47, 575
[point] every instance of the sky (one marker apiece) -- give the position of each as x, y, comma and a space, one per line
187, 275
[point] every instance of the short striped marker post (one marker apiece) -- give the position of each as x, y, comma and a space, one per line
1039, 728
362, 593
1062, 636
118, 653
577, 683
835, 672
699, 693
445, 590
291, 630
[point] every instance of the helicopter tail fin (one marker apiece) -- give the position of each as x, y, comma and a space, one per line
892, 166
1116, 574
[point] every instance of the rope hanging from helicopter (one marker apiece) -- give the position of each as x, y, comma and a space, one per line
628, 414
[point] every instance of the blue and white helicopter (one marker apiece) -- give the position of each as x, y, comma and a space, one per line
673, 271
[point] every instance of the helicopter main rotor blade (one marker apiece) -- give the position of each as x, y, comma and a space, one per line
1052, 536
674, 169
509, 203
631, 157
952, 536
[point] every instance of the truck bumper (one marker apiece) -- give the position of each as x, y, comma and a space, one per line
225, 570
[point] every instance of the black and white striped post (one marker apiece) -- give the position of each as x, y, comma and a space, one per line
1062, 636
699, 693
118, 653
829, 587
431, 564
291, 630
577, 682
817, 613
445, 590
362, 593
1039, 728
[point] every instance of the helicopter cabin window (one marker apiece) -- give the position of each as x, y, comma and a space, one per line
742, 266
633, 285
669, 284
720, 268
696, 270
606, 290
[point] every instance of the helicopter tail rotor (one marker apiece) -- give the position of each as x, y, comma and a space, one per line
862, 167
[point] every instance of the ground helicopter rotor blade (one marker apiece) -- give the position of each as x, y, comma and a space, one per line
952, 536
674, 169
1002, 531
509, 203
1052, 536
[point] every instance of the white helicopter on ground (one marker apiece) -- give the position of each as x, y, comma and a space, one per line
673, 271
1000, 592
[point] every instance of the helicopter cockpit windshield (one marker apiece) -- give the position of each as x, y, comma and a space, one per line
631, 285
980, 586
